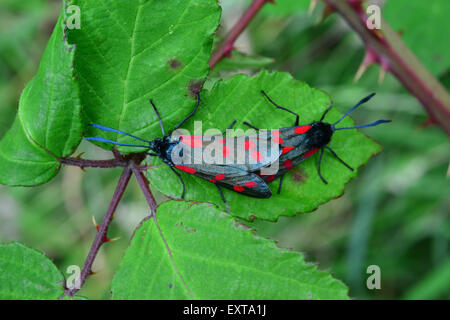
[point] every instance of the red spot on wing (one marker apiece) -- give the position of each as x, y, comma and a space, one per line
220, 176
287, 149
287, 164
238, 188
270, 178
249, 145
257, 156
310, 153
226, 151
251, 184
192, 141
302, 129
212, 180
222, 141
275, 132
278, 139
185, 168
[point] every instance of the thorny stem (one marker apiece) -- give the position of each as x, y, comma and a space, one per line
131, 165
102, 231
226, 46
395, 56
118, 161
83, 163
143, 183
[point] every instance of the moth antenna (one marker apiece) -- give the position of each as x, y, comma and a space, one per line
116, 131
114, 142
189, 115
326, 111
365, 125
159, 117
364, 100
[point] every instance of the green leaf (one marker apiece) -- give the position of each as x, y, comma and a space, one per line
131, 51
239, 98
48, 123
239, 60
213, 257
421, 30
28, 274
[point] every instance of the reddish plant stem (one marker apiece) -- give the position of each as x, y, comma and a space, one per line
101, 237
118, 161
226, 46
403, 64
83, 163
143, 183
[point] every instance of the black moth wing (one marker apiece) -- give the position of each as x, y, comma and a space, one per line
294, 149
226, 161
233, 178
295, 138
248, 153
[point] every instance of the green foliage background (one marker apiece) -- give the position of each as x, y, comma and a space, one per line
394, 214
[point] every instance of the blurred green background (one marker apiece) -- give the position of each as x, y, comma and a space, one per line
394, 215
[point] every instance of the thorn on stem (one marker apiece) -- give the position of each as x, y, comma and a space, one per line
106, 239
79, 156
312, 6
371, 57
95, 224
328, 10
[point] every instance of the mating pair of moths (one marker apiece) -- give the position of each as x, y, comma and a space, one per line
292, 146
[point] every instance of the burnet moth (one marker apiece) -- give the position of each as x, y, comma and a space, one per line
186, 153
298, 143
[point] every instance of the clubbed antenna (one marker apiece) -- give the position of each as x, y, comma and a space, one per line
354, 107
365, 125
116, 131
114, 142
100, 139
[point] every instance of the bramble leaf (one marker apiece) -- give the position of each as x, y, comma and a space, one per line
131, 51
28, 274
213, 257
47, 125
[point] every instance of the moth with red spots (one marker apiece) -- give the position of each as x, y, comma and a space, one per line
298, 143
185, 153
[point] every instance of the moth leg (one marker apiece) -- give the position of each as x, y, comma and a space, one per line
221, 194
281, 182
181, 179
251, 126
229, 127
326, 111
191, 114
297, 117
318, 166
337, 157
